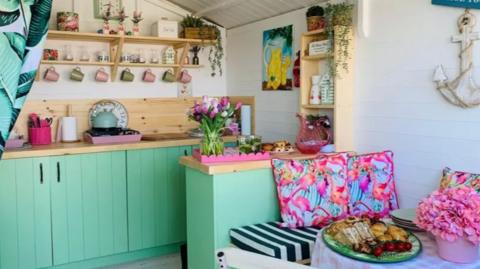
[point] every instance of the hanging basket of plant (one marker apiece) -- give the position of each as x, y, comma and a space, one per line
195, 28
203, 33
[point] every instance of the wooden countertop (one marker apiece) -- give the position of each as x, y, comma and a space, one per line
234, 167
83, 147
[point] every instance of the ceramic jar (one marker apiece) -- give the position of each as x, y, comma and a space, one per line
315, 91
459, 251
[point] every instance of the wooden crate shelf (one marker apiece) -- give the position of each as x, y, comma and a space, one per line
318, 106
341, 112
318, 57
313, 33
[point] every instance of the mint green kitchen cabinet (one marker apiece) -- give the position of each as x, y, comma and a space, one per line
156, 197
25, 228
89, 206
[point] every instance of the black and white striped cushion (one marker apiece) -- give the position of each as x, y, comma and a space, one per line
269, 239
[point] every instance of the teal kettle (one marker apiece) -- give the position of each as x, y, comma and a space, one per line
105, 120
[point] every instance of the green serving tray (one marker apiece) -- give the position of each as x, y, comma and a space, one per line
387, 257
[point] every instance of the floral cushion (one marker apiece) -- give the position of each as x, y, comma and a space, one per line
453, 178
312, 193
371, 184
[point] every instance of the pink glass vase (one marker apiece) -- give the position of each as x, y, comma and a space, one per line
313, 135
458, 251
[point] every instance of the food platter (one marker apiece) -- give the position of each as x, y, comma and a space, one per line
375, 251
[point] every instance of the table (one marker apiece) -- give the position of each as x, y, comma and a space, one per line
325, 258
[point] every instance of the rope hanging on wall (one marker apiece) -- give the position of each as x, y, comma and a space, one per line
463, 91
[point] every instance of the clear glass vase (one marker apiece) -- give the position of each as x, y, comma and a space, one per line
212, 144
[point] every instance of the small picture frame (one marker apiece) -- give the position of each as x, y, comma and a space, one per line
99, 7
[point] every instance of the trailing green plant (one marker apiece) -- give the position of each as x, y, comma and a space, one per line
216, 53
315, 11
340, 37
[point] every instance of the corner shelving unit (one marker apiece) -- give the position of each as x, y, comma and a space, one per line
342, 109
116, 43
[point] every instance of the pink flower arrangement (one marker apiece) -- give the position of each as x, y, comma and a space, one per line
451, 214
213, 111
212, 114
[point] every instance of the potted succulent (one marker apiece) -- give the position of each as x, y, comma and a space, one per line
338, 27
453, 216
315, 18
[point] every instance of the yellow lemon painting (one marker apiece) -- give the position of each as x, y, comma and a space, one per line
277, 59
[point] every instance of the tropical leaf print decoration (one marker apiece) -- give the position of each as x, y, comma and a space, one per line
23, 30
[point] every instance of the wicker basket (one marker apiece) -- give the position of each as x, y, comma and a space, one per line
204, 33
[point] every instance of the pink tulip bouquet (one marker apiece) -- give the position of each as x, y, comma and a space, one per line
451, 214
212, 114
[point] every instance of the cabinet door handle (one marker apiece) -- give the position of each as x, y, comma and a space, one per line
41, 173
185, 152
58, 172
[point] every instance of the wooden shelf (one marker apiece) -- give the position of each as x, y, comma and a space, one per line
148, 65
77, 63
76, 36
116, 44
94, 37
193, 66
316, 32
332, 106
317, 57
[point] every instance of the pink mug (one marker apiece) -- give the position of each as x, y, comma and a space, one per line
101, 75
185, 77
51, 74
149, 76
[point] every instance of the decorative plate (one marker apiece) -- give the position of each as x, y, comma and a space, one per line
408, 214
387, 257
110, 105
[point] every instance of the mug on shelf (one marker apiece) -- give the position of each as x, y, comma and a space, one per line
77, 74
51, 74
102, 56
185, 77
127, 75
169, 76
149, 76
101, 75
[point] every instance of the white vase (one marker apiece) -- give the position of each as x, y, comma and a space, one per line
315, 91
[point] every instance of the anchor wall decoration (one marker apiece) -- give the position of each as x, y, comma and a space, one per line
463, 91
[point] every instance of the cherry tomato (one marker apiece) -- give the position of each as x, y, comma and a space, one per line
389, 246
408, 246
378, 251
400, 247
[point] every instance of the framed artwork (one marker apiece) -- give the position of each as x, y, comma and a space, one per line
277, 70
458, 3
99, 7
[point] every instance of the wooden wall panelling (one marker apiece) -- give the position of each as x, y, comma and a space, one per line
149, 116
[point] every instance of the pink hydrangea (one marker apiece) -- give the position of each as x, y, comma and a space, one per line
451, 213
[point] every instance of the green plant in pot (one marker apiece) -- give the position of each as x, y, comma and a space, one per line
315, 19
195, 27
338, 29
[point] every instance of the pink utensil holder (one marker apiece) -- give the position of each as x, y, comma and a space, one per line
40, 136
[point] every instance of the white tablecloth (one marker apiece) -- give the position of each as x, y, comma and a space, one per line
325, 258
